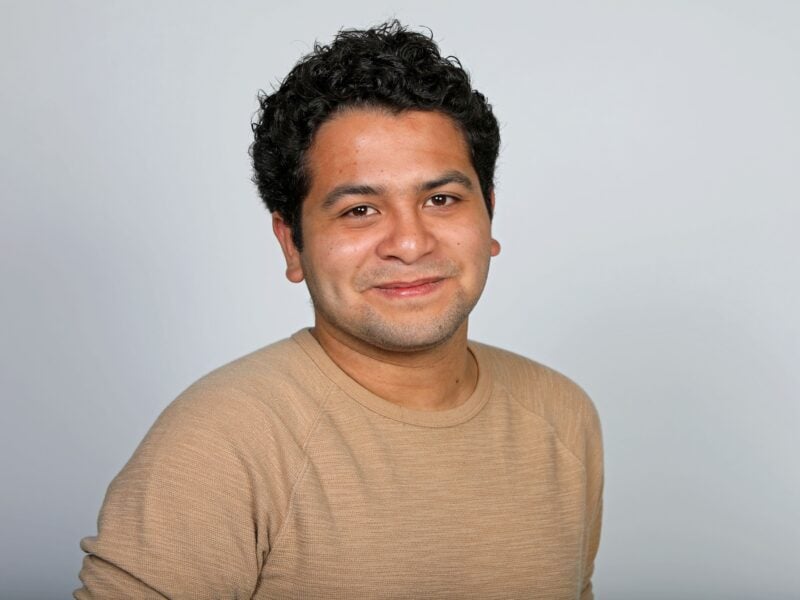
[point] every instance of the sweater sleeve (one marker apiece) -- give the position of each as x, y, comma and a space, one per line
594, 496
183, 519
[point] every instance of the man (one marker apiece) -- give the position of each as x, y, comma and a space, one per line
379, 454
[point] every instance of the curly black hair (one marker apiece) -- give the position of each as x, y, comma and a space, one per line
388, 67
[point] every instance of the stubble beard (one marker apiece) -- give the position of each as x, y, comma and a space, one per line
410, 332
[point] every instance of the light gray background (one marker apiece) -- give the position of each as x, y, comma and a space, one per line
647, 203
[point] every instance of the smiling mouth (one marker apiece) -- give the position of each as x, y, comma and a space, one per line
405, 289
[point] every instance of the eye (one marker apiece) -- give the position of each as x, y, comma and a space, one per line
360, 211
441, 200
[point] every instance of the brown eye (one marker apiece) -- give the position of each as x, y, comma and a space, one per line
360, 211
441, 200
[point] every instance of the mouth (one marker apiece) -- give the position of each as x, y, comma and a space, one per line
407, 289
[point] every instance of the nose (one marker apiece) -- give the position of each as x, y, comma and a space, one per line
408, 237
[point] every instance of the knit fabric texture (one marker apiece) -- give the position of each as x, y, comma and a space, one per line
278, 476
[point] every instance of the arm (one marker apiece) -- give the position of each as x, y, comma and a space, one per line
182, 519
594, 498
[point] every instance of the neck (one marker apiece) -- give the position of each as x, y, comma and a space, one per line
436, 378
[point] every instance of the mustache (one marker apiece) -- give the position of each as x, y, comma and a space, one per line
388, 274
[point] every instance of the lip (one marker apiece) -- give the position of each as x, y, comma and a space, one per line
407, 289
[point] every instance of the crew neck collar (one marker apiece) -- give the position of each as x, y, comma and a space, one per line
423, 418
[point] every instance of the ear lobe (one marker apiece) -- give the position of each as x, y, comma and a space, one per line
282, 231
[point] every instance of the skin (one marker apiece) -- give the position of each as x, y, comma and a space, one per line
397, 245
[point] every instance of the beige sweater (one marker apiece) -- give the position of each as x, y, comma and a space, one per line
278, 476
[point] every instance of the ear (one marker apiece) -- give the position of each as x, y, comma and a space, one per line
294, 269
495, 245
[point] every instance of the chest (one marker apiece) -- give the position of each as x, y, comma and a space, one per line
435, 514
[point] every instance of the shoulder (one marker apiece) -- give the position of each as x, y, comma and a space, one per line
215, 470
274, 388
548, 394
536, 386
245, 423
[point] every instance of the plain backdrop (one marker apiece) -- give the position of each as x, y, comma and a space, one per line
648, 198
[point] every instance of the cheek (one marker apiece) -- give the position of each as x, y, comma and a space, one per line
350, 248
335, 257
471, 241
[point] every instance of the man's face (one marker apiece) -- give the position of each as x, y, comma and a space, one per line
397, 238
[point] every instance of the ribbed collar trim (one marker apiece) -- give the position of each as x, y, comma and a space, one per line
423, 418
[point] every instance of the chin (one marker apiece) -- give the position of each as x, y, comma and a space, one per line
409, 336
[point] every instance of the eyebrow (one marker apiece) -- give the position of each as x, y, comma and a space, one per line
452, 176
349, 189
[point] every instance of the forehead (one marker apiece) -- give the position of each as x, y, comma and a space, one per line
371, 144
